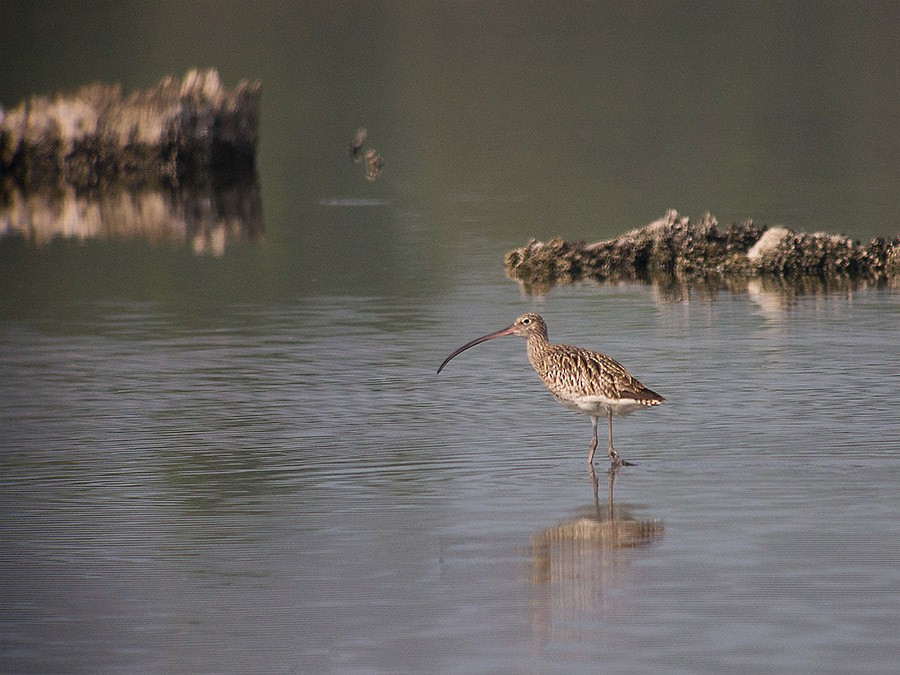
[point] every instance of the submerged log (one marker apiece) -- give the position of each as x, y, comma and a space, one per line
172, 132
675, 248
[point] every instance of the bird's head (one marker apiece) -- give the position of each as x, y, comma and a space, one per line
527, 325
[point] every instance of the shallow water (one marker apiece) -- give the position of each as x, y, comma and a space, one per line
296, 488
238, 457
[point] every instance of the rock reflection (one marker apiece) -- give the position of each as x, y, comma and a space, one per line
773, 294
576, 565
205, 218
775, 297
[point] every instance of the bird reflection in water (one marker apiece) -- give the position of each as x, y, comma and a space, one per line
578, 564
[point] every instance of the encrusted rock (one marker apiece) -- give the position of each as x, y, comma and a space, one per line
674, 247
172, 131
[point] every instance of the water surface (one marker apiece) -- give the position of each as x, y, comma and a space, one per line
239, 458
300, 490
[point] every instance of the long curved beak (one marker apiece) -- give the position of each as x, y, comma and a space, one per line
477, 341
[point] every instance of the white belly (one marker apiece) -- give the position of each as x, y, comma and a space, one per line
599, 405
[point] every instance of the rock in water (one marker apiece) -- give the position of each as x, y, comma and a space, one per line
174, 131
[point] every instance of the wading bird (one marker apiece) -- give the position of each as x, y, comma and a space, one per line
585, 381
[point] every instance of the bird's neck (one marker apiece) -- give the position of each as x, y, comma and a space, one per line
538, 346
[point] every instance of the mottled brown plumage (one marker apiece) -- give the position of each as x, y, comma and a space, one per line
585, 381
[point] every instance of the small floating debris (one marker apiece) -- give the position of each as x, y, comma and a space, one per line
675, 248
374, 165
356, 143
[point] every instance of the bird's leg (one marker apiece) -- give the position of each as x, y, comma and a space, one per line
613, 455
614, 458
593, 445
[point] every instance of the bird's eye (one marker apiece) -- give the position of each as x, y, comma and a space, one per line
526, 321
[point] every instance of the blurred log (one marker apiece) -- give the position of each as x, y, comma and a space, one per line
192, 130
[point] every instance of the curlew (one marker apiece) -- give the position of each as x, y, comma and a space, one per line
587, 382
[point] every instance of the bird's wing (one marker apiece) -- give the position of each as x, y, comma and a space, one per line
586, 373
